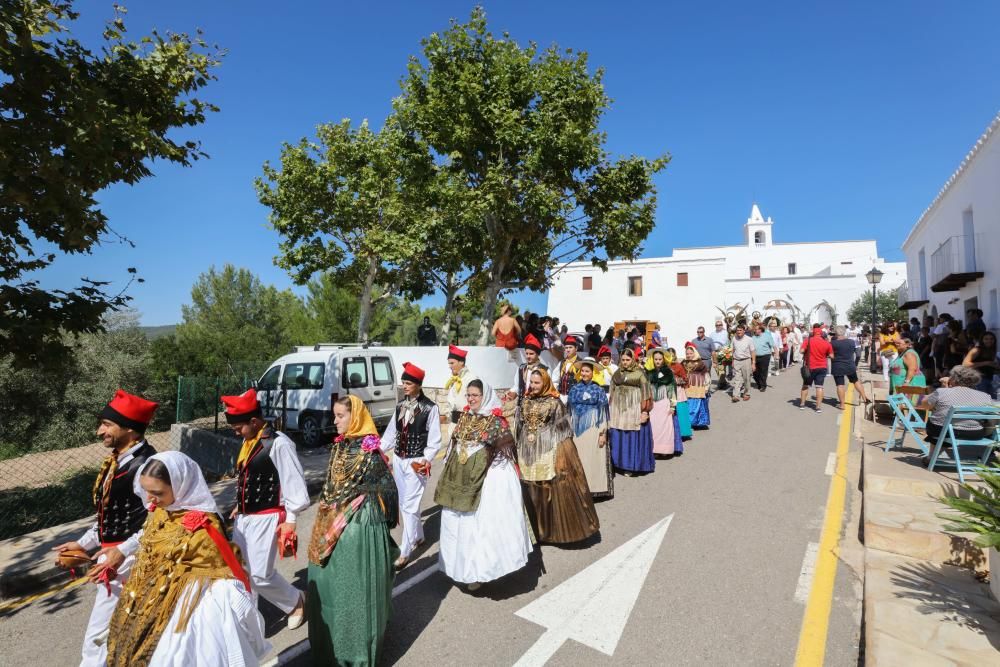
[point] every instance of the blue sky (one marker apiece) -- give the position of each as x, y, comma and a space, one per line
842, 120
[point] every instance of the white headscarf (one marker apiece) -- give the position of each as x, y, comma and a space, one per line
490, 400
188, 484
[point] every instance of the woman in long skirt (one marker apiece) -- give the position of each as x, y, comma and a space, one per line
588, 406
188, 600
680, 381
631, 435
663, 416
484, 534
351, 552
697, 387
552, 476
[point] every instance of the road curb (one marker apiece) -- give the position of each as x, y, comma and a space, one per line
30, 581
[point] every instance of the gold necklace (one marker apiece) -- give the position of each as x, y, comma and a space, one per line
344, 467
465, 431
534, 417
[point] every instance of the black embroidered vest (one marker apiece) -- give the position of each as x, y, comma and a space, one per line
124, 512
259, 485
412, 439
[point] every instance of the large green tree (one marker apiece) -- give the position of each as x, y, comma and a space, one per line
235, 324
886, 307
519, 128
353, 205
74, 121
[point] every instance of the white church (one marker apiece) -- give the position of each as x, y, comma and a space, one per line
689, 288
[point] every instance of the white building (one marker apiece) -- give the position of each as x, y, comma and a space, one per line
953, 252
686, 290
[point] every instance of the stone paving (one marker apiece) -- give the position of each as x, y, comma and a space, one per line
925, 600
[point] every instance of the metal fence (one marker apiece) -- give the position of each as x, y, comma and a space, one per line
44, 489
199, 398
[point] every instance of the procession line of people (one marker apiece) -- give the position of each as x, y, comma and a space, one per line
516, 473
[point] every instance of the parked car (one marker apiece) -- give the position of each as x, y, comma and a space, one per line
300, 388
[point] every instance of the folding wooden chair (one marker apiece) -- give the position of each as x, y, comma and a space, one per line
986, 415
909, 419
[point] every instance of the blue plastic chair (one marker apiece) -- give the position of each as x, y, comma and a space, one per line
986, 415
907, 417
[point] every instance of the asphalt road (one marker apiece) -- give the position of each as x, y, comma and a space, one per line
747, 498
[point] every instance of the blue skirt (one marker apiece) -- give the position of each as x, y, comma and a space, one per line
632, 451
698, 412
678, 441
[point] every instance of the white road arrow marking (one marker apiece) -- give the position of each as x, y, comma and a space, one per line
593, 606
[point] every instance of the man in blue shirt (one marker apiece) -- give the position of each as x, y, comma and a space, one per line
764, 349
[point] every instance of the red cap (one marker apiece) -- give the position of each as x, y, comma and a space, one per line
690, 344
457, 353
129, 411
531, 343
574, 340
413, 373
605, 351
242, 408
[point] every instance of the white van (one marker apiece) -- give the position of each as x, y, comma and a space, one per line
301, 387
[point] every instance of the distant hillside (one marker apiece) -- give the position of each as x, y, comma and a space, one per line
152, 333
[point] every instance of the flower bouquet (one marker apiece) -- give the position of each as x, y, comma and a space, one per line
724, 356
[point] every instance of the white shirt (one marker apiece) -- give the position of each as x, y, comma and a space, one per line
456, 394
294, 494
854, 333
720, 338
433, 433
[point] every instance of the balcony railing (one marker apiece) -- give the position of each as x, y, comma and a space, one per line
955, 263
910, 295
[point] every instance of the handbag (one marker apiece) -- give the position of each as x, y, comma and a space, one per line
804, 369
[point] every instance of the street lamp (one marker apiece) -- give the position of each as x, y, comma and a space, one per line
874, 278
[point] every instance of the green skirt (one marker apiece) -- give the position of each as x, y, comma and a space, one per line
350, 598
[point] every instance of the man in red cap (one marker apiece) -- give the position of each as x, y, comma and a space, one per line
532, 348
414, 436
120, 513
606, 367
459, 381
569, 367
270, 492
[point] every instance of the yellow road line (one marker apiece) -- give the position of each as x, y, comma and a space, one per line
20, 602
816, 619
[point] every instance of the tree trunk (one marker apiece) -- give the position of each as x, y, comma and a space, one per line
450, 292
367, 305
489, 307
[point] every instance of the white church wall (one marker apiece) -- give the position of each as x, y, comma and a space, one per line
678, 309
721, 276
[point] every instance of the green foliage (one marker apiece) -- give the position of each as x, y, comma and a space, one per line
352, 206
233, 319
980, 512
886, 307
27, 509
518, 129
76, 122
59, 410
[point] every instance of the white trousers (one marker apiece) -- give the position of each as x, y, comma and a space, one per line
257, 537
886, 363
95, 639
411, 491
